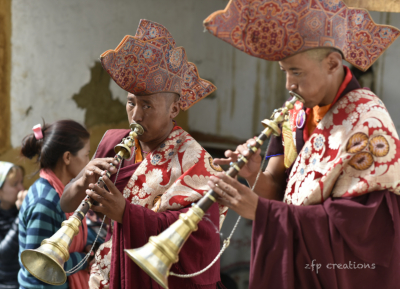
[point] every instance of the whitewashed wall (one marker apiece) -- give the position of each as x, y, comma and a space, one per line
54, 44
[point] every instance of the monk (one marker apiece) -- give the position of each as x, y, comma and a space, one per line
167, 173
326, 210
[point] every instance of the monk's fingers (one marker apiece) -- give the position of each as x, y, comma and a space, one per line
219, 162
222, 195
95, 196
92, 170
243, 150
224, 201
234, 185
98, 194
224, 189
228, 153
231, 156
113, 189
103, 164
251, 142
98, 208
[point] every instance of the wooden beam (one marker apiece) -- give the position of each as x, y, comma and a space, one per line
5, 74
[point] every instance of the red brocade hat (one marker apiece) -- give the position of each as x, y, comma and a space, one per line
277, 29
149, 63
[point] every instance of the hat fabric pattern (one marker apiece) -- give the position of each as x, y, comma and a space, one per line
150, 62
277, 29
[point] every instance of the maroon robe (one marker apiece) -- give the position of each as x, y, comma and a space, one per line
140, 223
362, 230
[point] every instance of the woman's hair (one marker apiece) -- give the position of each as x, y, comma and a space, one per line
58, 138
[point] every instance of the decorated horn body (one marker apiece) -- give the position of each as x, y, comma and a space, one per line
158, 255
46, 263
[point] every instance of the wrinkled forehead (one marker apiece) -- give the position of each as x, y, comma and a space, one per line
300, 60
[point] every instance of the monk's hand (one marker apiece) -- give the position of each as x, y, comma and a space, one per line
94, 169
253, 165
111, 203
234, 195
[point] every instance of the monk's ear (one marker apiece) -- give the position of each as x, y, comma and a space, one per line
174, 109
334, 62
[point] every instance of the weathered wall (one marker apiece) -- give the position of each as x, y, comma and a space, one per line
56, 75
56, 46
374, 5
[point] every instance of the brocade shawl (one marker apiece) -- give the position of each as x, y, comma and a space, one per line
354, 150
171, 177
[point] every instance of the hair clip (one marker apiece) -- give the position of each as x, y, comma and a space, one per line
37, 131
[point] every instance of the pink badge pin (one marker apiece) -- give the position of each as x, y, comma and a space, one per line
301, 119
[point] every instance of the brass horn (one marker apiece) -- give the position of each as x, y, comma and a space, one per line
158, 255
47, 262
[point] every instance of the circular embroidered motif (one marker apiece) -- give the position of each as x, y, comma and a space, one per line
357, 143
217, 168
148, 53
155, 159
300, 119
175, 57
362, 161
319, 142
379, 146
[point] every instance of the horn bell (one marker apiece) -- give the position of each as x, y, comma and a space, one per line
158, 255
46, 263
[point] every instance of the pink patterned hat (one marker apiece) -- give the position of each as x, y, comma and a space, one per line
277, 29
149, 63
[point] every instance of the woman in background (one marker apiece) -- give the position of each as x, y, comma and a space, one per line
11, 196
62, 150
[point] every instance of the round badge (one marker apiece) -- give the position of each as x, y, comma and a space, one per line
301, 119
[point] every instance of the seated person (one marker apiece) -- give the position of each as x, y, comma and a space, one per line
12, 194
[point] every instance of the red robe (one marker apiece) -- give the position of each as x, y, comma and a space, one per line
140, 223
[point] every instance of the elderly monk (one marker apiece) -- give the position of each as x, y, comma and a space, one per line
168, 171
326, 210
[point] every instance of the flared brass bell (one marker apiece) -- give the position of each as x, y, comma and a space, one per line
47, 262
158, 255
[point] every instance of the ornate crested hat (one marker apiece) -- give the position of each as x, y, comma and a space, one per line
277, 29
149, 62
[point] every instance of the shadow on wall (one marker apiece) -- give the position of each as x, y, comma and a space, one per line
96, 98
102, 111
